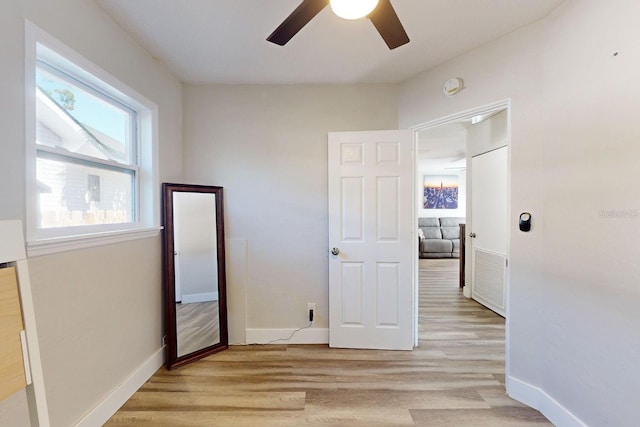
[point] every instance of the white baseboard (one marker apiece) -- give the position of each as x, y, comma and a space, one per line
203, 297
279, 336
110, 405
538, 399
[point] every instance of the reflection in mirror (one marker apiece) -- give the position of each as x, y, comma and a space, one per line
194, 272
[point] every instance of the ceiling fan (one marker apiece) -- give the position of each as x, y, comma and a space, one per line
381, 14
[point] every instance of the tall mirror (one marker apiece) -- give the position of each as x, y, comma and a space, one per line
194, 272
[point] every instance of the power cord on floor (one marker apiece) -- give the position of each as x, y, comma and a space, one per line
285, 339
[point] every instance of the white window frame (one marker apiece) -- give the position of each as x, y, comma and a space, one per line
40, 241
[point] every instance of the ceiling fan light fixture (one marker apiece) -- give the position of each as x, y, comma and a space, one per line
353, 9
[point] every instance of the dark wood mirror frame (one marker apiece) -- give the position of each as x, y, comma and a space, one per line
173, 360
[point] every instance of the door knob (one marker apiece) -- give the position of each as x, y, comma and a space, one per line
335, 251
472, 235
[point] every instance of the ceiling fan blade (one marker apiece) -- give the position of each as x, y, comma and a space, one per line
298, 19
388, 24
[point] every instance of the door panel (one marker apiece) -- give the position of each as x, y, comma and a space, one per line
489, 222
388, 287
352, 293
370, 221
352, 213
387, 213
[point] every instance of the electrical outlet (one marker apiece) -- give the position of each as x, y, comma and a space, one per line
311, 309
164, 341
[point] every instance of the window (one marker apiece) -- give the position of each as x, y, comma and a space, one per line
83, 138
90, 152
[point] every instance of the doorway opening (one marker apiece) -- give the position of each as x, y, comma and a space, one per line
448, 149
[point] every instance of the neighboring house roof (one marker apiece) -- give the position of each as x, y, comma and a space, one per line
58, 128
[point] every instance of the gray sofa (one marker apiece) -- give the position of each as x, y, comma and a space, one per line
441, 237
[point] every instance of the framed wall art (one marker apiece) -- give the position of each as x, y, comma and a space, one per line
440, 192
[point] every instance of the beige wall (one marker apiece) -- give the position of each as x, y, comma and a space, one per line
574, 153
98, 313
267, 146
98, 310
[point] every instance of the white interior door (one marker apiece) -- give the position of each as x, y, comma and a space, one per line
489, 229
371, 239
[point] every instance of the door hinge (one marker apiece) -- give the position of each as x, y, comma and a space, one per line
506, 262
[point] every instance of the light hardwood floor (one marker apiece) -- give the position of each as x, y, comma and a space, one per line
454, 378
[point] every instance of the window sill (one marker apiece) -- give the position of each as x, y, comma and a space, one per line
51, 246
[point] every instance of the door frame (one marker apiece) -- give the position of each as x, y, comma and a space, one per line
494, 107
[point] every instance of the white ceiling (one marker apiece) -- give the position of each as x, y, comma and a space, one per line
443, 148
223, 41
